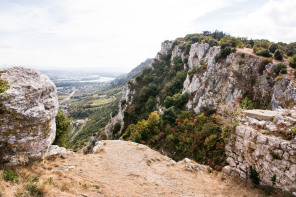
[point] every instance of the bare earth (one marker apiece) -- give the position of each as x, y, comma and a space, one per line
124, 169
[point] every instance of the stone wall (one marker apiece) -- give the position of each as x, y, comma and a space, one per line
272, 157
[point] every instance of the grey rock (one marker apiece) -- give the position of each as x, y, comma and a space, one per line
27, 122
55, 150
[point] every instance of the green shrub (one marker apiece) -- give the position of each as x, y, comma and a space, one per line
247, 103
264, 53
263, 63
254, 176
63, 124
116, 128
280, 69
273, 47
10, 175
34, 190
243, 55
4, 85
169, 116
177, 60
278, 55
292, 61
187, 48
293, 132
210, 128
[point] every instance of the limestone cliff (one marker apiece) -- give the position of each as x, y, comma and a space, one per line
212, 82
28, 109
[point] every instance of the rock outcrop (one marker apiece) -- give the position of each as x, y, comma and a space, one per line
27, 121
230, 80
254, 144
126, 99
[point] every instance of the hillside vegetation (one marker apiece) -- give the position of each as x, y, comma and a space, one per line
158, 116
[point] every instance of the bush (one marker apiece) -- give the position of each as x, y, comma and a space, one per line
10, 175
169, 116
34, 190
177, 60
4, 85
278, 55
292, 61
254, 176
116, 128
264, 53
280, 69
225, 52
247, 103
63, 124
263, 63
209, 129
273, 47
187, 48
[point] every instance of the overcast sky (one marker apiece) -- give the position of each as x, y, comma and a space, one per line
117, 35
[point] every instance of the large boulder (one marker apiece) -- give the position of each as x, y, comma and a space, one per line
27, 115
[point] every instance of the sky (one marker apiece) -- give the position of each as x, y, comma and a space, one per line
117, 35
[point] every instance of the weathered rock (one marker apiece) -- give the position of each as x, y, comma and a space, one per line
28, 109
54, 150
126, 99
98, 145
269, 155
263, 114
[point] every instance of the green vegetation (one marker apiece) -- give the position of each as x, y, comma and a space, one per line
293, 132
254, 176
63, 125
34, 190
280, 69
292, 61
189, 135
10, 175
4, 85
263, 63
98, 116
247, 103
278, 55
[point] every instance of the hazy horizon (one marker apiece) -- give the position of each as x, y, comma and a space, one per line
116, 36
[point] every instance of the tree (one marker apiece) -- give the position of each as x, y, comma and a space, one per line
63, 124
273, 47
278, 55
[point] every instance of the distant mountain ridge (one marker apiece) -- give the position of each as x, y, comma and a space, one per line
122, 79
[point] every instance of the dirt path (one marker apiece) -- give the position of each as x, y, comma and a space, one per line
126, 169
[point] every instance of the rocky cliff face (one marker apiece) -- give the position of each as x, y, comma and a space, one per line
231, 79
213, 83
126, 99
27, 121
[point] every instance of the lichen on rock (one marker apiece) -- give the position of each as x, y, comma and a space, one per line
28, 109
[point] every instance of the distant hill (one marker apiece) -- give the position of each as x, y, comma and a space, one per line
122, 79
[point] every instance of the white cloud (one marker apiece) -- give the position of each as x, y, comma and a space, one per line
106, 35
276, 21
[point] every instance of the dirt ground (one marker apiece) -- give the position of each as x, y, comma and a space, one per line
124, 169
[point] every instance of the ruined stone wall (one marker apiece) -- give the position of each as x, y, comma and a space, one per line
273, 158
